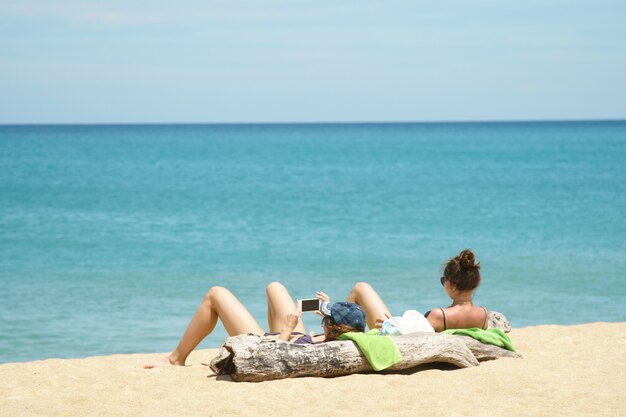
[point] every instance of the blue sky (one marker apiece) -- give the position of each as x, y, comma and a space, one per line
303, 61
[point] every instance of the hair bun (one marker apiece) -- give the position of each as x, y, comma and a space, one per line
467, 258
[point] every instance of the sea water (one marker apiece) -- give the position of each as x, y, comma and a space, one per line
110, 235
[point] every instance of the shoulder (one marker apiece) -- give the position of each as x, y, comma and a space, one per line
435, 318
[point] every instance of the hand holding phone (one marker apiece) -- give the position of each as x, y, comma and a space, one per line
322, 296
308, 304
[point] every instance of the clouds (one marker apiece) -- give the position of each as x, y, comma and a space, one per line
118, 12
324, 60
77, 13
117, 19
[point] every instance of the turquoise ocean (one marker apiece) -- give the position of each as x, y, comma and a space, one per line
111, 234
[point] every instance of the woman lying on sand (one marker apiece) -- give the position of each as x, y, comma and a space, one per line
460, 279
283, 320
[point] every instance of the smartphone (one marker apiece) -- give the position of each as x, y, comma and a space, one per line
308, 304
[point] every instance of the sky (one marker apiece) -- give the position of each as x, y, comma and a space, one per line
235, 61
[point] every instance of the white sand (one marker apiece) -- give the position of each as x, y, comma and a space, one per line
566, 370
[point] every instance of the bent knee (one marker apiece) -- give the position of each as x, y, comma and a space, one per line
361, 286
216, 292
274, 286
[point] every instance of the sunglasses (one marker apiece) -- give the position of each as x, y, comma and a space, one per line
442, 279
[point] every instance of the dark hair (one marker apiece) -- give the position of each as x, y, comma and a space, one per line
462, 272
334, 330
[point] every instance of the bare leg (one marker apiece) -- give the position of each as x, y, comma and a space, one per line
217, 303
279, 305
364, 295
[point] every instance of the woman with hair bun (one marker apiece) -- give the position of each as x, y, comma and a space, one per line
461, 277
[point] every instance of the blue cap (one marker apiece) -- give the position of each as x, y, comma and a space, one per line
345, 313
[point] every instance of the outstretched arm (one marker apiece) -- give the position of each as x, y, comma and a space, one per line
292, 321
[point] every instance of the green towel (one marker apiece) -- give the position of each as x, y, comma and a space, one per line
490, 336
381, 351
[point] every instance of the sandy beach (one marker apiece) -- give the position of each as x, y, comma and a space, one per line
566, 370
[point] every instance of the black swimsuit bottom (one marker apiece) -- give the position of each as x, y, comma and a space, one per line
304, 339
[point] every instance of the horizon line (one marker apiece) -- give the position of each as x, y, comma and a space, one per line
278, 123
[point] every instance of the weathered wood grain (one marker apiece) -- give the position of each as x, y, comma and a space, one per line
498, 321
252, 358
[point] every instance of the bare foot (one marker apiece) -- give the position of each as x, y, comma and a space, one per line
166, 361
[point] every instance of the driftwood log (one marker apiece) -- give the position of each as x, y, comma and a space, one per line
252, 358
498, 321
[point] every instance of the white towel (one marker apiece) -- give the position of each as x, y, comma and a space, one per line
410, 322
